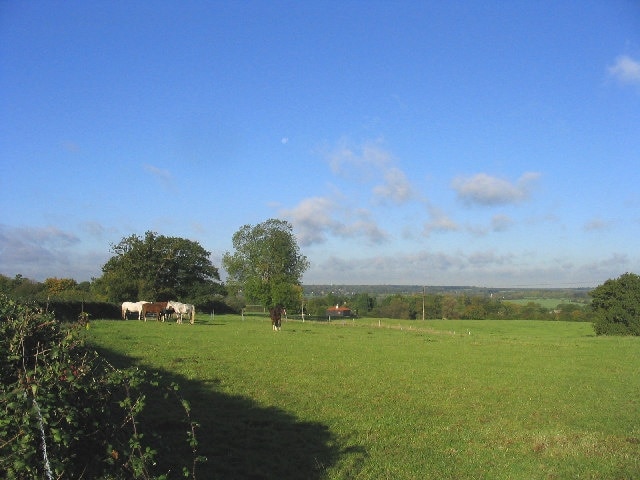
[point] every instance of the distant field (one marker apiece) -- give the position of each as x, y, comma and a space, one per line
544, 302
391, 399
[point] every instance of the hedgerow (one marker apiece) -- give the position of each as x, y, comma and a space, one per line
66, 412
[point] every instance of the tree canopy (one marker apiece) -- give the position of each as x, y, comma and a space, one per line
616, 304
267, 265
157, 267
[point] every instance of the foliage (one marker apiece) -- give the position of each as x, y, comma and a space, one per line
66, 289
64, 411
462, 306
55, 286
21, 287
616, 304
157, 267
67, 311
397, 306
267, 265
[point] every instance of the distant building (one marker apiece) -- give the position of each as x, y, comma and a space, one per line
338, 311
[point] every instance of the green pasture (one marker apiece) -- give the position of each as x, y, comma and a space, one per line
390, 399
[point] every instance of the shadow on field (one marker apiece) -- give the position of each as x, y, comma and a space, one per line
240, 439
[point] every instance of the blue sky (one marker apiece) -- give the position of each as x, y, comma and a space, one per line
438, 143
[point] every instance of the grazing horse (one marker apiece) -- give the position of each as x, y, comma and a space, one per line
132, 307
183, 309
276, 317
157, 308
166, 312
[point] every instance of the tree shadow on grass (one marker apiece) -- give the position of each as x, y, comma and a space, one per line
240, 439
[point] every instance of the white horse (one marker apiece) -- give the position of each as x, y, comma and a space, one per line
132, 307
183, 309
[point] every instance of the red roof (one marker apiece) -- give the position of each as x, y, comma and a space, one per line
339, 309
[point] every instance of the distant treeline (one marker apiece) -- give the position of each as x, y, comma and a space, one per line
69, 298
453, 305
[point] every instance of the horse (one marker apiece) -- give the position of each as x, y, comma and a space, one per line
166, 312
276, 317
158, 308
132, 307
183, 309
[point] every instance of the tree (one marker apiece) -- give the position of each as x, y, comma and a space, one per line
267, 265
55, 286
362, 303
616, 305
157, 267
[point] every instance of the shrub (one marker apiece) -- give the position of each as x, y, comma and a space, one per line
68, 310
616, 305
65, 412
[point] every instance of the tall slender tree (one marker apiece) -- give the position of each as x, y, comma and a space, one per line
267, 265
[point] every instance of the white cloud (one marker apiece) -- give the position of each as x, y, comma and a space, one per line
364, 226
371, 163
625, 70
438, 222
483, 189
314, 219
161, 174
501, 223
396, 187
597, 224
361, 164
488, 268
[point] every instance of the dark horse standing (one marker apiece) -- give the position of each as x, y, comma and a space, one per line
276, 316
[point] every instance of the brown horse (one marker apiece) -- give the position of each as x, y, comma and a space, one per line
157, 308
276, 317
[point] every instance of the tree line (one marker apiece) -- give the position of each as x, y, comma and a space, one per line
266, 268
401, 306
449, 306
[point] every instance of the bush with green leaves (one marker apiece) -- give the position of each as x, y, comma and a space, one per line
65, 412
616, 305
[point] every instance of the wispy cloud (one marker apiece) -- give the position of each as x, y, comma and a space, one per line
362, 225
597, 224
485, 190
161, 174
359, 161
316, 218
438, 222
501, 223
396, 187
491, 268
371, 162
312, 219
40, 252
625, 70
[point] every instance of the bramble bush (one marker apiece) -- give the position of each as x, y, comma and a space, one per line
65, 412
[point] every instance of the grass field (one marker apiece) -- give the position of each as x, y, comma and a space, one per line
396, 399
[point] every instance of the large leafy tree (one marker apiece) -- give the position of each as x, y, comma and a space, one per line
616, 304
267, 265
157, 267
